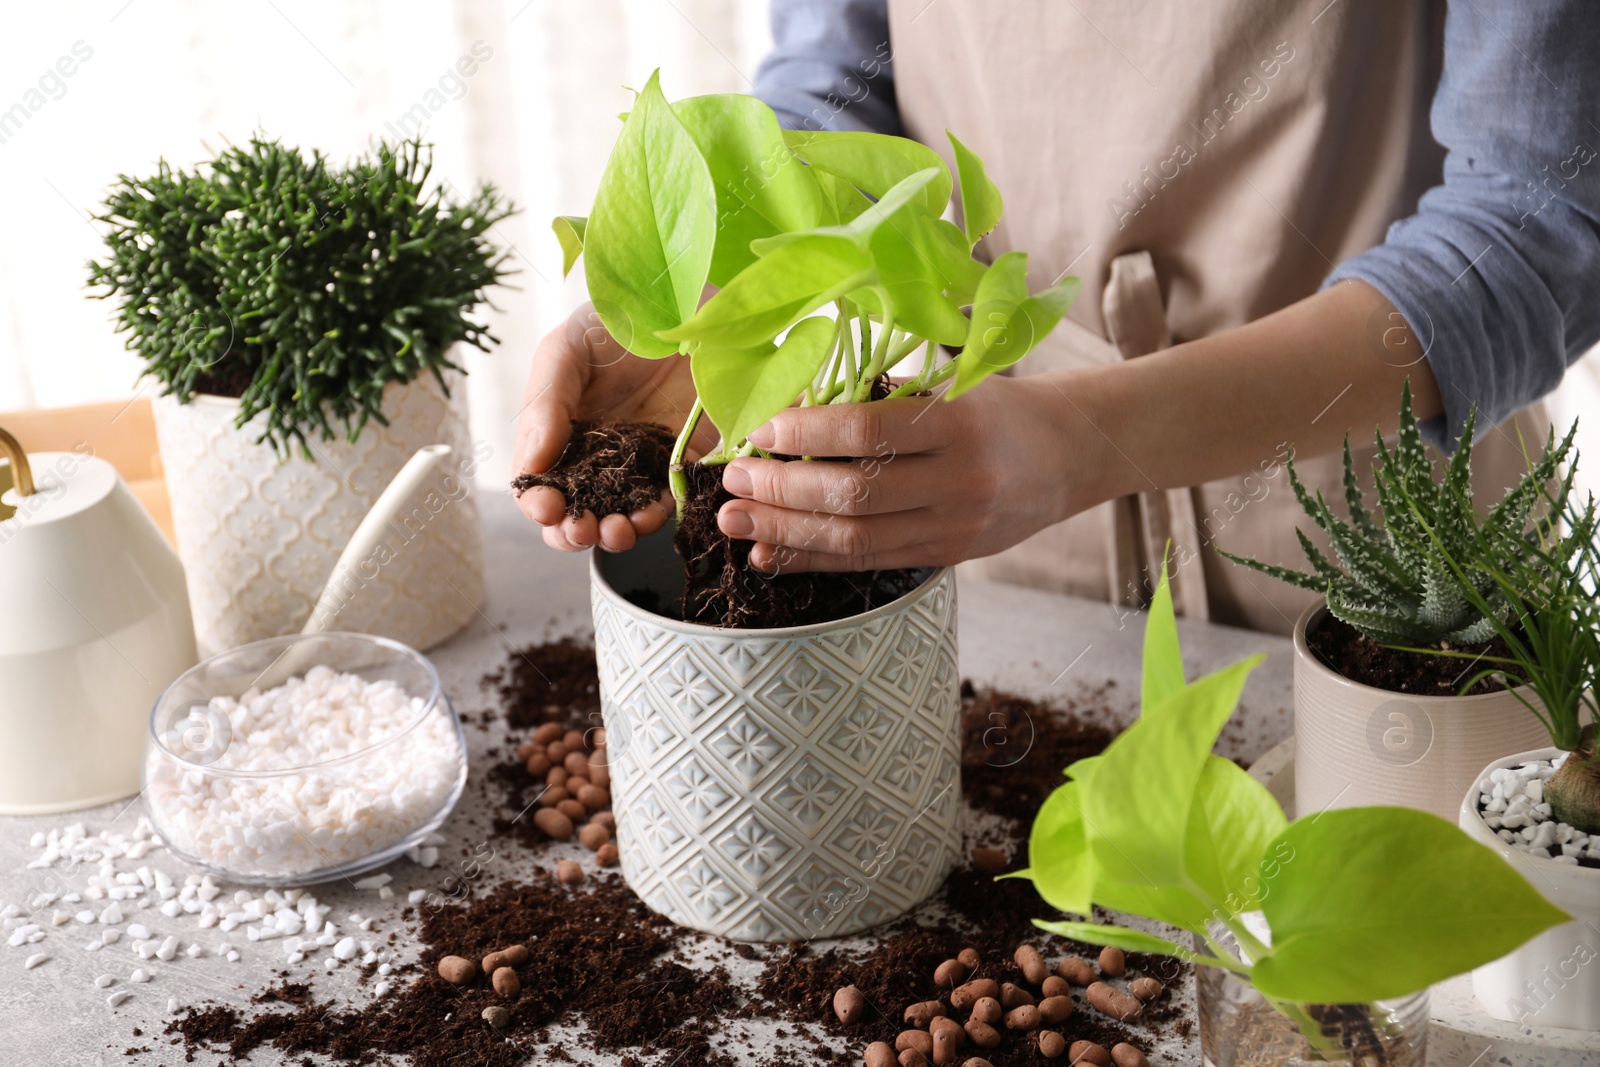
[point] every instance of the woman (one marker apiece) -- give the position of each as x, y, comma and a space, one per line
1271, 240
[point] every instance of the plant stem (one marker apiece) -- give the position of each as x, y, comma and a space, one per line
676, 478
880, 354
925, 380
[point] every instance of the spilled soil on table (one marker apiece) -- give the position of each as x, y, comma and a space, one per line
653, 994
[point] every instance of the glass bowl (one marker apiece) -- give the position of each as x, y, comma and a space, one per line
266, 794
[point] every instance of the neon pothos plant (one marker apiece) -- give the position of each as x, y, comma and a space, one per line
827, 250
1337, 907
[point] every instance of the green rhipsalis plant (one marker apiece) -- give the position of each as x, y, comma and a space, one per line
827, 250
1549, 587
300, 287
1338, 907
1391, 580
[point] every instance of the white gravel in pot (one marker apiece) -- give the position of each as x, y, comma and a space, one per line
1511, 802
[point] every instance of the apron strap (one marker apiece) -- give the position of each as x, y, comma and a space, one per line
1144, 524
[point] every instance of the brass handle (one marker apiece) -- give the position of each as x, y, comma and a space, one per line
21, 472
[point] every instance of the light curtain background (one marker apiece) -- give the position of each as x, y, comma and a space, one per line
181, 78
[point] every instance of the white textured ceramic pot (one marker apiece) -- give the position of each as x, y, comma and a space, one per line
777, 785
1357, 745
259, 537
1554, 979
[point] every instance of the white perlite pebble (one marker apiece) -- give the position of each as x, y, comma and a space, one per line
302, 822
34, 960
104, 980
417, 896
118, 997
345, 949
172, 1004
139, 975
1511, 801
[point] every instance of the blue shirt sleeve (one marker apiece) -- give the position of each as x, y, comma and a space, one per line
829, 68
1498, 272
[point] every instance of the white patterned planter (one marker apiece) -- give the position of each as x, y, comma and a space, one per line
259, 538
777, 785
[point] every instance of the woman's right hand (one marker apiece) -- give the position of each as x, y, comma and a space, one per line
581, 372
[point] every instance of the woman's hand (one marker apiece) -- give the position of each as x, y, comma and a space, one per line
940, 483
580, 372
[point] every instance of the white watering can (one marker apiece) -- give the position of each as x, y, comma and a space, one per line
95, 622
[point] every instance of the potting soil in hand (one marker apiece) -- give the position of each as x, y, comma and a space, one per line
606, 975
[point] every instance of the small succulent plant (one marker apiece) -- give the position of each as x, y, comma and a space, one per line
1390, 578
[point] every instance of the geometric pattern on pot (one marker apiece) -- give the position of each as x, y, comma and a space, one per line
259, 538
777, 785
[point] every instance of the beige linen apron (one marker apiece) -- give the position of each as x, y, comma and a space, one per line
1197, 165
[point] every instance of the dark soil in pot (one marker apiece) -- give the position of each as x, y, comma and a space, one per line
724, 590
617, 468
1351, 653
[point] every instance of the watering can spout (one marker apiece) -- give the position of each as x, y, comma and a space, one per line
373, 529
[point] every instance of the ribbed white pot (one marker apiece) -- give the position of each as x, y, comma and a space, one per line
259, 537
1552, 980
777, 785
1356, 745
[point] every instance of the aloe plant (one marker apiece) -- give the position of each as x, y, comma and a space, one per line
1390, 577
831, 262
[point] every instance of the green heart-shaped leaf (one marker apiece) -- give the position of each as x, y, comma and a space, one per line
742, 388
650, 235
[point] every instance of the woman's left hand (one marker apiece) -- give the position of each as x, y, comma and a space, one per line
931, 483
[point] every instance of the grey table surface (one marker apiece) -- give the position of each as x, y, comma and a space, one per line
1037, 644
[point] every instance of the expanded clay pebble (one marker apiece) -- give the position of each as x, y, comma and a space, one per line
949, 974
848, 1004
982, 1034
923, 1012
1024, 1018
1089, 1052
1126, 1055
1014, 996
569, 872
1077, 970
919, 1041
878, 1054
592, 836
964, 996
1055, 1009
1113, 961
607, 855
1033, 969
506, 983
496, 1017
1114, 1002
553, 823
1145, 988
456, 970
969, 958
1051, 1044
514, 956
987, 1010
